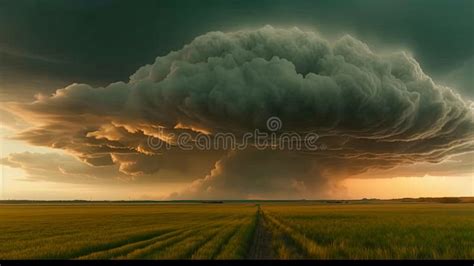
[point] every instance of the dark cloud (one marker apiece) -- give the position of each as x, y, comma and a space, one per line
458, 165
373, 110
461, 78
46, 45
254, 174
136, 168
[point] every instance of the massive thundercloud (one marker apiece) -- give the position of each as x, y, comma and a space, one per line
374, 112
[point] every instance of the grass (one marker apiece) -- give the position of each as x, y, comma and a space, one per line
377, 231
227, 231
113, 231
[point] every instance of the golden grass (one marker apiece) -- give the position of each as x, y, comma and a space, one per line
115, 231
226, 231
377, 231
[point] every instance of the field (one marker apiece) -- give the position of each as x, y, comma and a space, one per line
237, 231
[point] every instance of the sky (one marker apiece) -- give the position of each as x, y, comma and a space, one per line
386, 85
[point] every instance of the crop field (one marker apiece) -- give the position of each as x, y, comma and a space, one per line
262, 230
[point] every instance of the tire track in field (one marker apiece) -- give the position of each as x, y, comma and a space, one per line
114, 247
238, 245
283, 244
213, 247
129, 247
123, 242
191, 244
262, 241
228, 239
309, 246
147, 252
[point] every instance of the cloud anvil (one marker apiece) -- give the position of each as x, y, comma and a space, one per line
374, 112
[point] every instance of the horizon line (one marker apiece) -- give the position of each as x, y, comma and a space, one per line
233, 200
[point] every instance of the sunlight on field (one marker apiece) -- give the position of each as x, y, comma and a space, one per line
125, 231
236, 231
378, 231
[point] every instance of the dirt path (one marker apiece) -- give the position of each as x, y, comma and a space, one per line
262, 241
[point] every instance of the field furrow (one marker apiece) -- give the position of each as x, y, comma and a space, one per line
213, 247
151, 250
130, 246
185, 248
261, 247
312, 249
239, 244
237, 231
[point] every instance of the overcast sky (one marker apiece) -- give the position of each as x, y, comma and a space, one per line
48, 45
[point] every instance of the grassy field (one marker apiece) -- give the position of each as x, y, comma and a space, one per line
372, 231
237, 231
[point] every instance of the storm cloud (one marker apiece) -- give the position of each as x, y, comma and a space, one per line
56, 167
373, 111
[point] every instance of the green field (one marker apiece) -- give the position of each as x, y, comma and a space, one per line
237, 231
